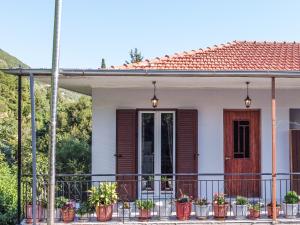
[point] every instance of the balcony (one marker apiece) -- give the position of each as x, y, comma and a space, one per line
245, 196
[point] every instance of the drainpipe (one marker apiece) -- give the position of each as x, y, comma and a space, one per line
273, 151
33, 143
19, 152
53, 109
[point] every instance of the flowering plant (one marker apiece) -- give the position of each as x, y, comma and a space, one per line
219, 199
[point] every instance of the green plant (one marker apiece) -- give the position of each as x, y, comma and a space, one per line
126, 205
104, 194
240, 200
144, 204
291, 197
201, 201
256, 206
219, 199
270, 204
60, 202
164, 178
84, 208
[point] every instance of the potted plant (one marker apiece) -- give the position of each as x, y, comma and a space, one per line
183, 207
166, 183
220, 206
254, 210
201, 208
240, 207
144, 207
124, 211
103, 197
68, 212
59, 203
84, 212
290, 204
164, 208
270, 211
40, 208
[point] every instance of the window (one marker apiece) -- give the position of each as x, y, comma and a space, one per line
241, 135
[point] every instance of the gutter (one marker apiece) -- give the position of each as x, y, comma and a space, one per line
152, 73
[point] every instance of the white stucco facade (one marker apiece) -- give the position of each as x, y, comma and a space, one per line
210, 104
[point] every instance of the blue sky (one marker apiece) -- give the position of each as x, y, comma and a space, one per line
92, 29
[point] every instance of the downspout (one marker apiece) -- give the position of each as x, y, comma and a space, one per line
33, 143
53, 109
19, 151
273, 151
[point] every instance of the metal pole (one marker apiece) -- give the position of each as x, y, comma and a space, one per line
33, 141
273, 151
19, 152
53, 109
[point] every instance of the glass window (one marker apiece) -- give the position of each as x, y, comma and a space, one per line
241, 138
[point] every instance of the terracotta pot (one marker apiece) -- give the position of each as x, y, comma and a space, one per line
104, 212
254, 214
183, 210
270, 211
144, 214
39, 213
220, 211
67, 215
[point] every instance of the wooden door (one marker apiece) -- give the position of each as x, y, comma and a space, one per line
242, 152
294, 159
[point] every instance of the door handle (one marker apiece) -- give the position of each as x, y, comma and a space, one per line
227, 158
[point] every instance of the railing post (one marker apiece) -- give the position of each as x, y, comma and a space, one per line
273, 151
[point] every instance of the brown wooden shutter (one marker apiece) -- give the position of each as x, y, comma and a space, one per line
187, 150
294, 158
126, 153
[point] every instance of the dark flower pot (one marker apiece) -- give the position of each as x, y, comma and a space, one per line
144, 214
270, 211
39, 213
254, 214
220, 211
67, 215
183, 210
104, 212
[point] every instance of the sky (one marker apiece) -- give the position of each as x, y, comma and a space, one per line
95, 29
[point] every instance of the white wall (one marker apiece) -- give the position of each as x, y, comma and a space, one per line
210, 105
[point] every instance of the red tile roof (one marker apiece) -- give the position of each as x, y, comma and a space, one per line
233, 56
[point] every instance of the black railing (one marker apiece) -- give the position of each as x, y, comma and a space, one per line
163, 190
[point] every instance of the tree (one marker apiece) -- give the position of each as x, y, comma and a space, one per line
135, 56
103, 65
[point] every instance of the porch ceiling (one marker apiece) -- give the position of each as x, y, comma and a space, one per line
85, 84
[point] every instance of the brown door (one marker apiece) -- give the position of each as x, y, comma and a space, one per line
126, 122
294, 158
187, 151
242, 152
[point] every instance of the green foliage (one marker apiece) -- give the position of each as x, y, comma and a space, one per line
135, 56
256, 206
8, 193
104, 194
85, 208
240, 200
60, 202
219, 199
291, 198
202, 201
103, 65
73, 135
144, 204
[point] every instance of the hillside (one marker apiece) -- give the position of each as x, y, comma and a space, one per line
9, 61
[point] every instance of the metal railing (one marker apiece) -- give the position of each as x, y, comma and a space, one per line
163, 190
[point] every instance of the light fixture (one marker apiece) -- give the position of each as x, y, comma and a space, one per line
247, 100
154, 100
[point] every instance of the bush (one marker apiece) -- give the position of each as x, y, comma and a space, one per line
241, 200
144, 204
8, 193
291, 198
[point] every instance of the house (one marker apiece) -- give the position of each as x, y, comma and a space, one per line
204, 135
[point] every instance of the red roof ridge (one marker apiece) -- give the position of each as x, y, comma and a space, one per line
234, 55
